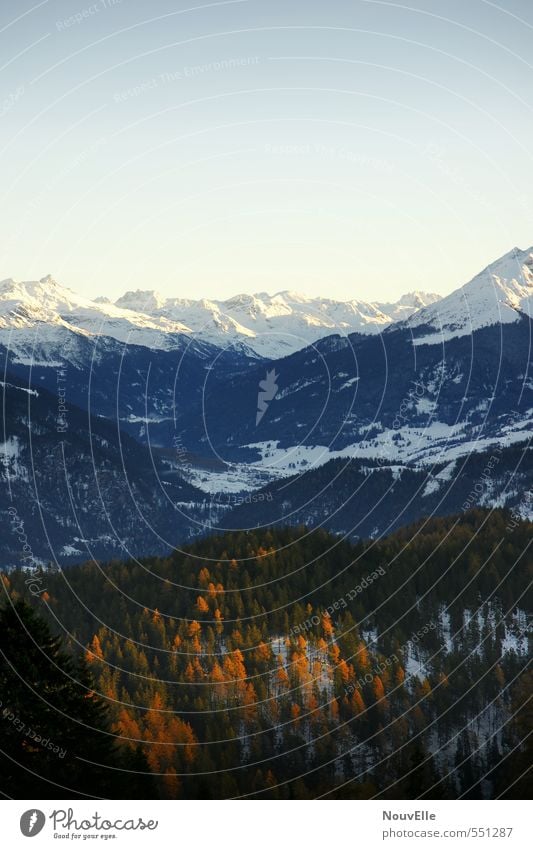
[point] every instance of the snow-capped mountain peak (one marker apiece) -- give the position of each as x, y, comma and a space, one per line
141, 300
501, 293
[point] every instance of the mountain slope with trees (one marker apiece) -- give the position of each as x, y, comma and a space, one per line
286, 663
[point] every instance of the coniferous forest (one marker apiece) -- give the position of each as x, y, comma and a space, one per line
283, 663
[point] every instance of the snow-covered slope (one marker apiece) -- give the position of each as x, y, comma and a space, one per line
274, 325
500, 294
49, 307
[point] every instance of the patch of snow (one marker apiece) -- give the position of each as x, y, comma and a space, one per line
10, 452
21, 388
69, 551
347, 384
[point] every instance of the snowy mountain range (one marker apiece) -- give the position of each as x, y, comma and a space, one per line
273, 326
397, 396
261, 325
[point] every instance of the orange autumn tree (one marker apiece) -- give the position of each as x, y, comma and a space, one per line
95, 651
201, 605
170, 744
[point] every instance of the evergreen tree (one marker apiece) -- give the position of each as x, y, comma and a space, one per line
56, 739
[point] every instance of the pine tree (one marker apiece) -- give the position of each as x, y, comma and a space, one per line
56, 736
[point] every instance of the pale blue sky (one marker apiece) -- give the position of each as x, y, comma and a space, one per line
352, 149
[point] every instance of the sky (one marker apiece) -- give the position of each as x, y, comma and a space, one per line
348, 148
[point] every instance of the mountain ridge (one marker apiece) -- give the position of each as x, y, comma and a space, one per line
260, 325
255, 318
271, 326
